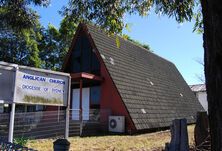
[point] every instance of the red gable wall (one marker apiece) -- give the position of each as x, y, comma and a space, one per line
111, 100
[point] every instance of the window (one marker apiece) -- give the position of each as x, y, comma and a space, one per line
19, 108
76, 65
83, 58
95, 95
40, 107
95, 64
76, 56
86, 55
31, 108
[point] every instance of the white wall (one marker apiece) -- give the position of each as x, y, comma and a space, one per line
202, 97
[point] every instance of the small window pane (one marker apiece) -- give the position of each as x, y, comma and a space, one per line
95, 64
39, 107
76, 65
95, 95
20, 108
31, 108
76, 57
77, 50
86, 59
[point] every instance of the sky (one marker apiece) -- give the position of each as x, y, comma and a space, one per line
166, 38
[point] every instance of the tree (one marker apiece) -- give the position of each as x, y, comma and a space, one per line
109, 15
212, 37
49, 48
24, 41
19, 31
17, 14
20, 46
55, 44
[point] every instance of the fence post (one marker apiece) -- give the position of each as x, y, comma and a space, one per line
175, 135
67, 123
184, 141
201, 131
81, 122
81, 111
67, 111
179, 136
12, 113
11, 124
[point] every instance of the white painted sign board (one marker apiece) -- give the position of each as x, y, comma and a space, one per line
37, 87
33, 86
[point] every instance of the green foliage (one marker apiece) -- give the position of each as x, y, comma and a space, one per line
110, 14
55, 44
117, 42
20, 47
17, 14
198, 26
146, 46
19, 32
24, 41
107, 14
49, 48
21, 141
128, 27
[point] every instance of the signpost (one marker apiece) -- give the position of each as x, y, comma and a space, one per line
27, 85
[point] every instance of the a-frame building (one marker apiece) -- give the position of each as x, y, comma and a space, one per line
125, 81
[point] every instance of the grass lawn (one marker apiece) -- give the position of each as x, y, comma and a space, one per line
144, 142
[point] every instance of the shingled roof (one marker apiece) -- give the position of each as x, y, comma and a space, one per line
151, 87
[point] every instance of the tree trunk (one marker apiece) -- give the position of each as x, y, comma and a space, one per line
212, 37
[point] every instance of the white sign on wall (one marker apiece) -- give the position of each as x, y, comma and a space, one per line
35, 87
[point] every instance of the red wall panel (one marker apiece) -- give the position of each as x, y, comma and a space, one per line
111, 100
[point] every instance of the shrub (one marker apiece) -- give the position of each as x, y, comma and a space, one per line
21, 141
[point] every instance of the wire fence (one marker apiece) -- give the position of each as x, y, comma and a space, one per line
34, 124
51, 124
4, 123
